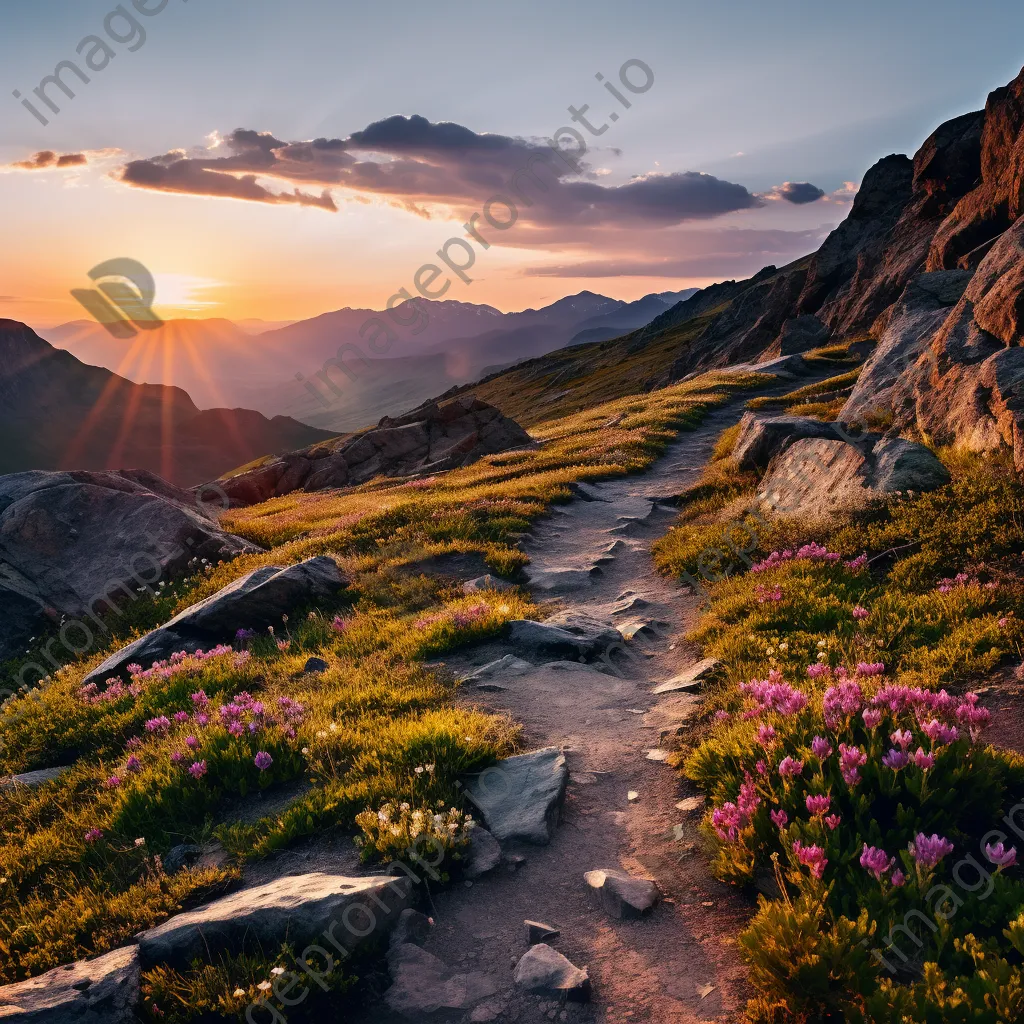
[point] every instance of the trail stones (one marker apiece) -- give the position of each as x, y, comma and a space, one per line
545, 972
483, 855
508, 667
424, 986
690, 679
99, 991
622, 895
520, 798
412, 927
691, 804
537, 932
256, 601
563, 636
297, 909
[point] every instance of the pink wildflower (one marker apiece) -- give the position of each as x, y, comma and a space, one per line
872, 717
818, 805
760, 767
113, 782
197, 769
722, 716
132, 766
902, 738
263, 760
851, 760
860, 613
727, 822
159, 725
177, 757
858, 563
191, 742
875, 668
812, 857
897, 878
876, 861
833, 821
765, 735
200, 700
817, 670
779, 818
1000, 856
927, 851
924, 761
93, 835
895, 759
821, 748
843, 699
790, 767
938, 733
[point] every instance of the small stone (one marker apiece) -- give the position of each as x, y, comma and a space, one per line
657, 755
483, 855
632, 796
315, 665
543, 971
179, 857
622, 895
514, 861
537, 932
412, 927
705, 990
690, 804
689, 680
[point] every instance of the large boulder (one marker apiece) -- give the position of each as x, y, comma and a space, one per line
762, 437
254, 601
79, 544
99, 991
317, 908
521, 797
431, 438
817, 479
565, 635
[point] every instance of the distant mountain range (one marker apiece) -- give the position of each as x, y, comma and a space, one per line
224, 364
58, 413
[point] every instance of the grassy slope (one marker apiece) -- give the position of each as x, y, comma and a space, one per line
366, 724
808, 949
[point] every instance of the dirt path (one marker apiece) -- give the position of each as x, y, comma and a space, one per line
680, 964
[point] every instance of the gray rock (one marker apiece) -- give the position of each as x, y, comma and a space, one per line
819, 480
483, 854
255, 601
485, 582
622, 895
412, 927
559, 580
434, 437
545, 972
182, 856
315, 665
298, 909
801, 334
537, 932
79, 544
564, 635
520, 798
507, 667
32, 780
99, 991
424, 986
690, 679
762, 437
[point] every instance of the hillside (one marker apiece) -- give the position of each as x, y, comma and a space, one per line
57, 412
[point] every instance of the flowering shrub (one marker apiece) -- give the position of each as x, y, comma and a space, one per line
424, 834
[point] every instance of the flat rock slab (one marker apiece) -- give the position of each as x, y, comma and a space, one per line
520, 798
544, 971
564, 636
689, 680
255, 601
622, 895
483, 855
99, 991
297, 909
424, 986
508, 668
538, 932
32, 780
559, 579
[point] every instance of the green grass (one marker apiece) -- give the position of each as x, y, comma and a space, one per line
366, 725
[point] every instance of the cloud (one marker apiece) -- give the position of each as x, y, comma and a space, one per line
796, 192
46, 158
416, 163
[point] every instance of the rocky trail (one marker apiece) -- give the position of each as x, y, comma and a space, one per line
676, 961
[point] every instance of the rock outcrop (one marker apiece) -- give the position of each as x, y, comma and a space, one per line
254, 601
81, 544
762, 437
103, 990
429, 439
816, 479
298, 909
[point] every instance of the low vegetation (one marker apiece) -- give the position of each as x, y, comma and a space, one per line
843, 751
240, 745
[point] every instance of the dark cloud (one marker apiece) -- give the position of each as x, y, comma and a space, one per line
416, 162
796, 192
47, 158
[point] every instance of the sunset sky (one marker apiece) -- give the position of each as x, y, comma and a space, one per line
427, 110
